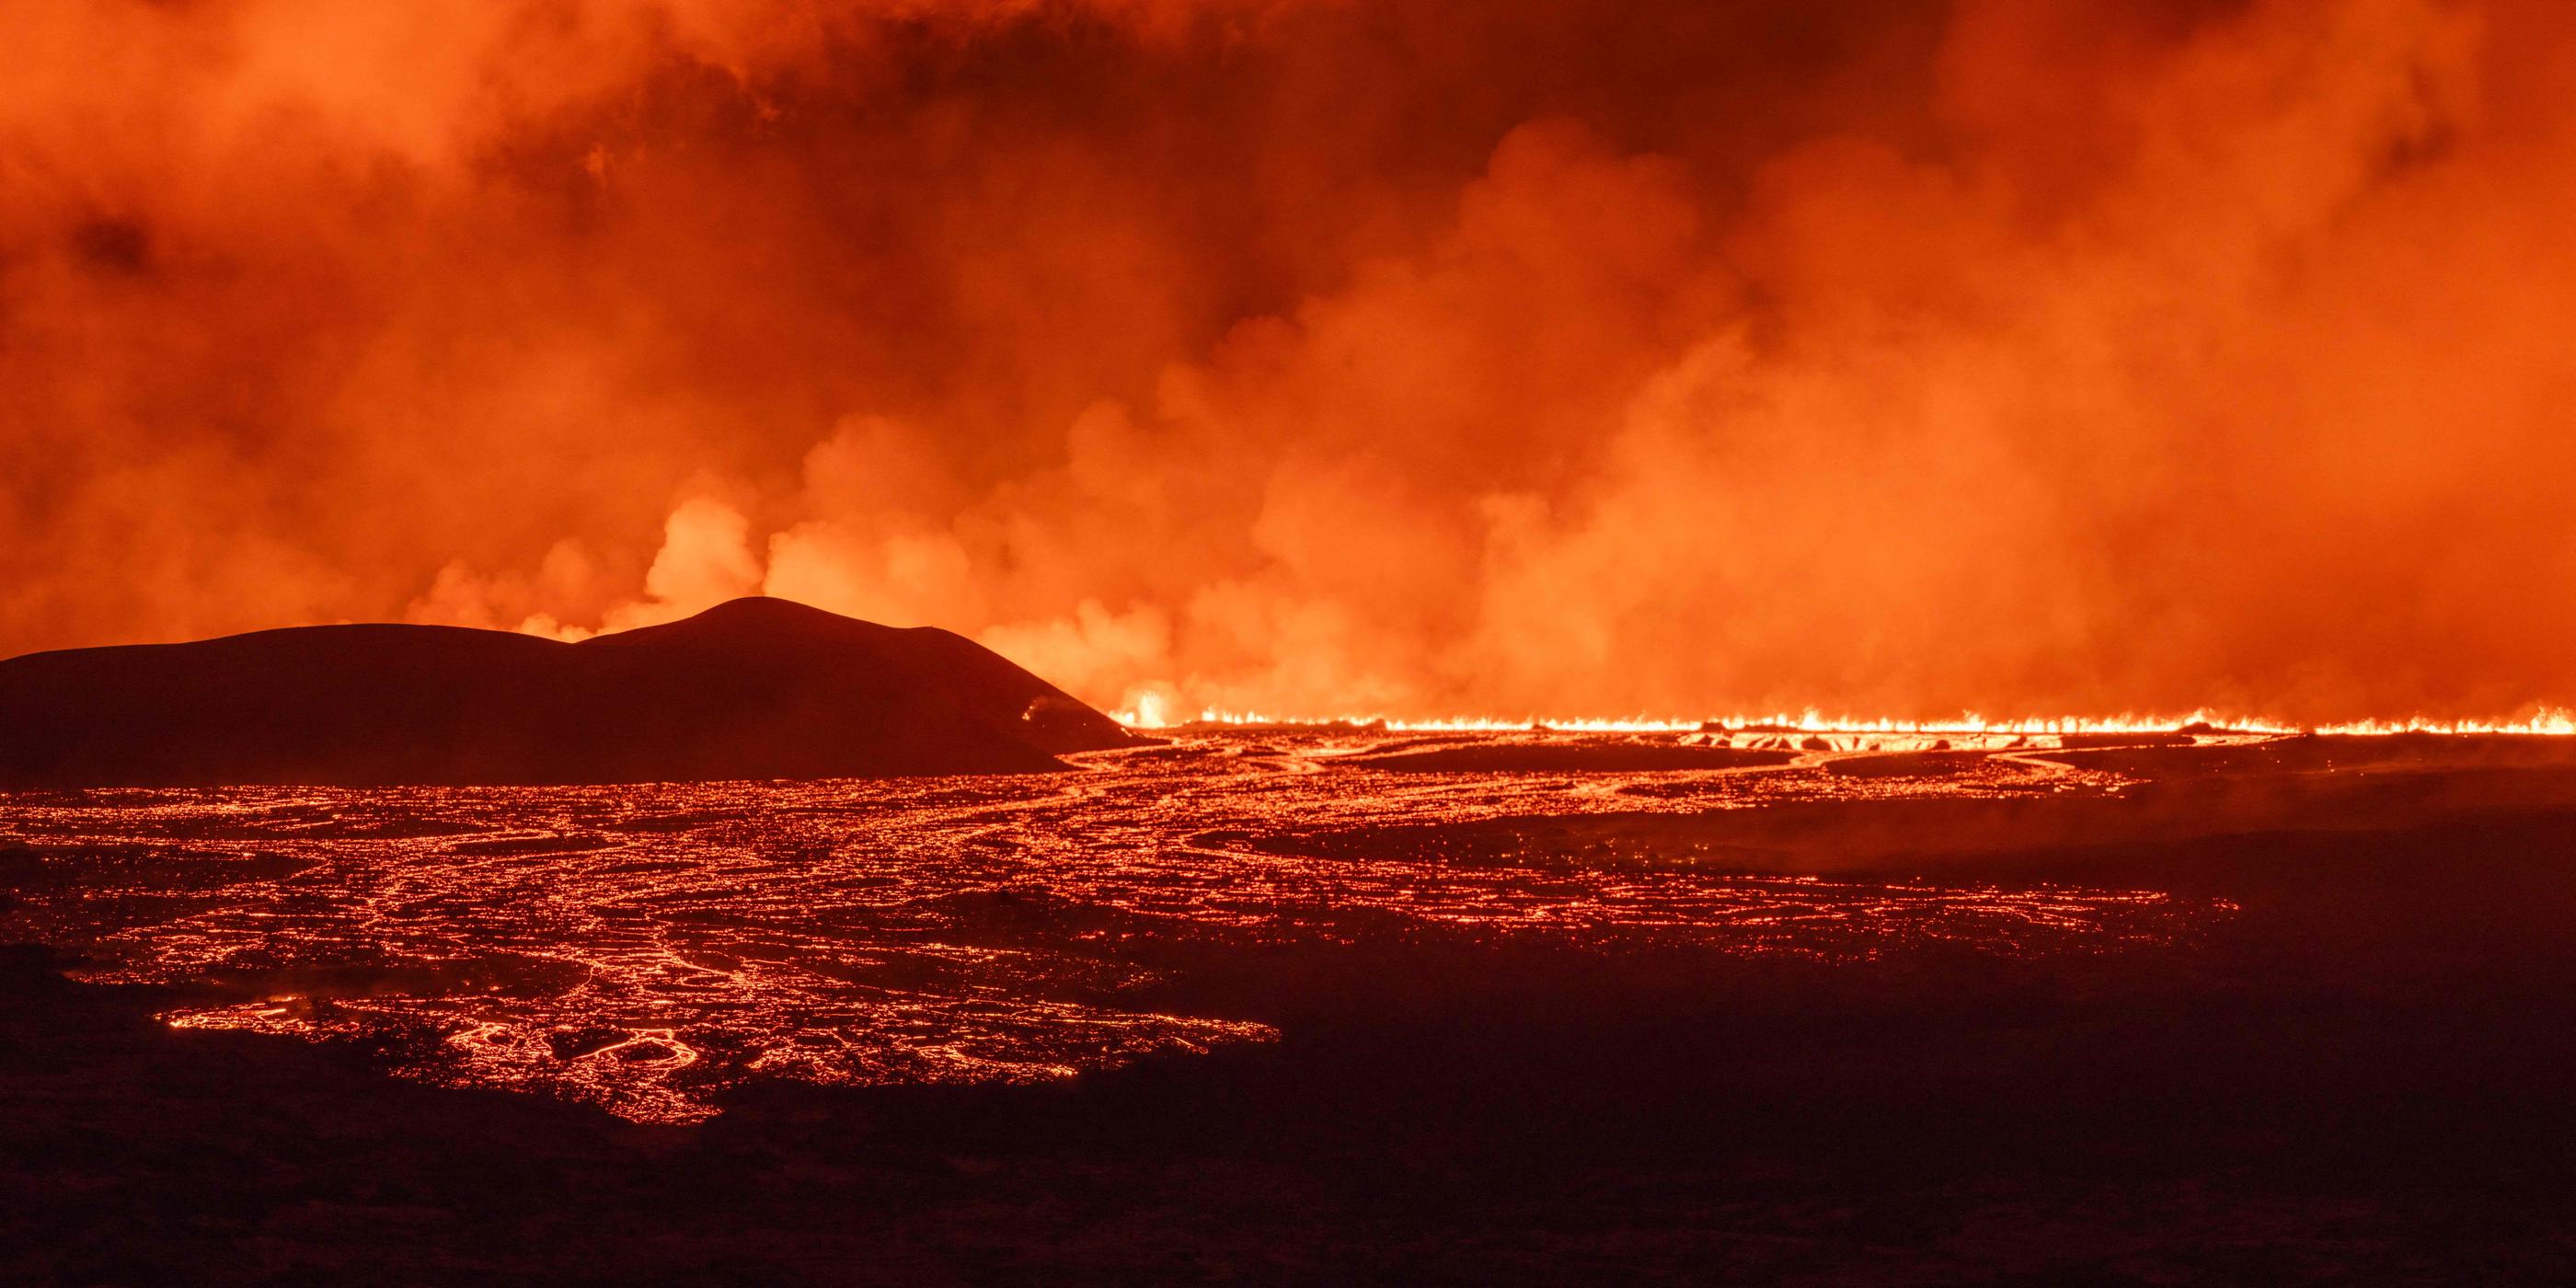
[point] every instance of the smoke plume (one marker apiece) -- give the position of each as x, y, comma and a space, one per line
1311, 356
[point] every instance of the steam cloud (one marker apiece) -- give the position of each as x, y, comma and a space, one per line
1452, 356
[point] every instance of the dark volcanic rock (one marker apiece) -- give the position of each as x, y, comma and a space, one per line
757, 688
1565, 758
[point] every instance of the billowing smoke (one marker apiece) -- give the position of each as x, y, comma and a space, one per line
1452, 356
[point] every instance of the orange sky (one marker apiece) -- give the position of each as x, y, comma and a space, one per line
1443, 356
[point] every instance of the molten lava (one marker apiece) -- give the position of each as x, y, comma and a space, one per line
645, 949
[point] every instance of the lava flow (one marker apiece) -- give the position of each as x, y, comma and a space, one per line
645, 948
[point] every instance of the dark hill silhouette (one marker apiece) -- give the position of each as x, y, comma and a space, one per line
756, 688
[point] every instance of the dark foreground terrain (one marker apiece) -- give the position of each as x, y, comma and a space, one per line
2352, 1059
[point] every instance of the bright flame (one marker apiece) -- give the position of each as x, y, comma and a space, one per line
1151, 710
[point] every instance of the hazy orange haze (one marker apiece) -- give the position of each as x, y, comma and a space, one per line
2018, 356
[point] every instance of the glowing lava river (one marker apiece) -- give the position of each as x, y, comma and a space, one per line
646, 948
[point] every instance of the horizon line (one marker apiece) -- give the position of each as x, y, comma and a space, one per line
2543, 721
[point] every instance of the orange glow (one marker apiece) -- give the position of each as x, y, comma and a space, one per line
1151, 713
1422, 358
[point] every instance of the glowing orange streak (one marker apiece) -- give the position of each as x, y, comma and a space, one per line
2544, 721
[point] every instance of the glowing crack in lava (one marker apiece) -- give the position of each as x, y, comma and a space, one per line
645, 948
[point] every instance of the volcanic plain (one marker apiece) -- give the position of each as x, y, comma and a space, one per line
1318, 1004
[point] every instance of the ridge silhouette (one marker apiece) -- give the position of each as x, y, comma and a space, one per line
755, 688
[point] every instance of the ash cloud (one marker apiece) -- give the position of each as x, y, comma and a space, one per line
1314, 356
